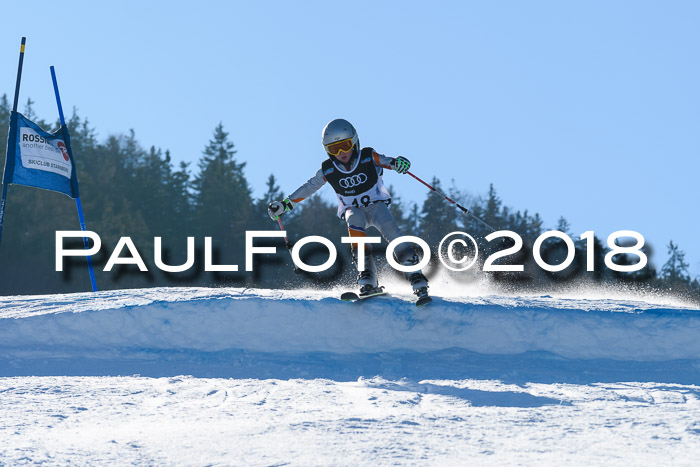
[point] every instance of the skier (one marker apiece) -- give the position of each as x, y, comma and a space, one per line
363, 201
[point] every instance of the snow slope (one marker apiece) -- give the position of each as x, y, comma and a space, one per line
299, 377
197, 321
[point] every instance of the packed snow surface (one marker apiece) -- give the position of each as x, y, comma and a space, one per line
247, 376
215, 320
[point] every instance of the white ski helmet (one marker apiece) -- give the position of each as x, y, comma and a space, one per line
340, 130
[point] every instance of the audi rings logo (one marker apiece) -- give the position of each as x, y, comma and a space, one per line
355, 180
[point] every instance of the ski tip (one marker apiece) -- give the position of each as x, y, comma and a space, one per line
349, 297
353, 297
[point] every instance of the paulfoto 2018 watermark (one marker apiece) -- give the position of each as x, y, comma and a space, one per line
451, 259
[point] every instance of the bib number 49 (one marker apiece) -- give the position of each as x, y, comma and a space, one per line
363, 202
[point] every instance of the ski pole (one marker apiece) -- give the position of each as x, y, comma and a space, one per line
462, 208
288, 244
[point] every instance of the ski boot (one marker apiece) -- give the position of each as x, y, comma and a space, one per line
368, 287
420, 288
368, 284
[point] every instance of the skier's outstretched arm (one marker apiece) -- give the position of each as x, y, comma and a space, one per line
312, 185
399, 164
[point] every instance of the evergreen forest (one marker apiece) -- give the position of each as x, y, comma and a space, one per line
130, 191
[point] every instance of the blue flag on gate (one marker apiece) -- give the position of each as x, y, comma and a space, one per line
38, 158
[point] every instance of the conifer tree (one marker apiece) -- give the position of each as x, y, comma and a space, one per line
272, 193
29, 112
182, 203
492, 209
675, 270
222, 197
414, 219
437, 217
400, 212
163, 194
564, 226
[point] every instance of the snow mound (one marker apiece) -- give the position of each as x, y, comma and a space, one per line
307, 322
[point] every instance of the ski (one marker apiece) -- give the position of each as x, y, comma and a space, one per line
353, 297
423, 297
422, 301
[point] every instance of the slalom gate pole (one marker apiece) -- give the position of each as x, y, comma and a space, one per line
78, 204
19, 73
462, 208
288, 244
11, 138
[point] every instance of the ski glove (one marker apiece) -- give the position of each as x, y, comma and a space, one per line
276, 208
400, 164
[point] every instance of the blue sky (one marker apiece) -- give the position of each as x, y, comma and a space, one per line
590, 110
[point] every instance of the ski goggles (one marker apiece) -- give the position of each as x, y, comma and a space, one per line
344, 145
